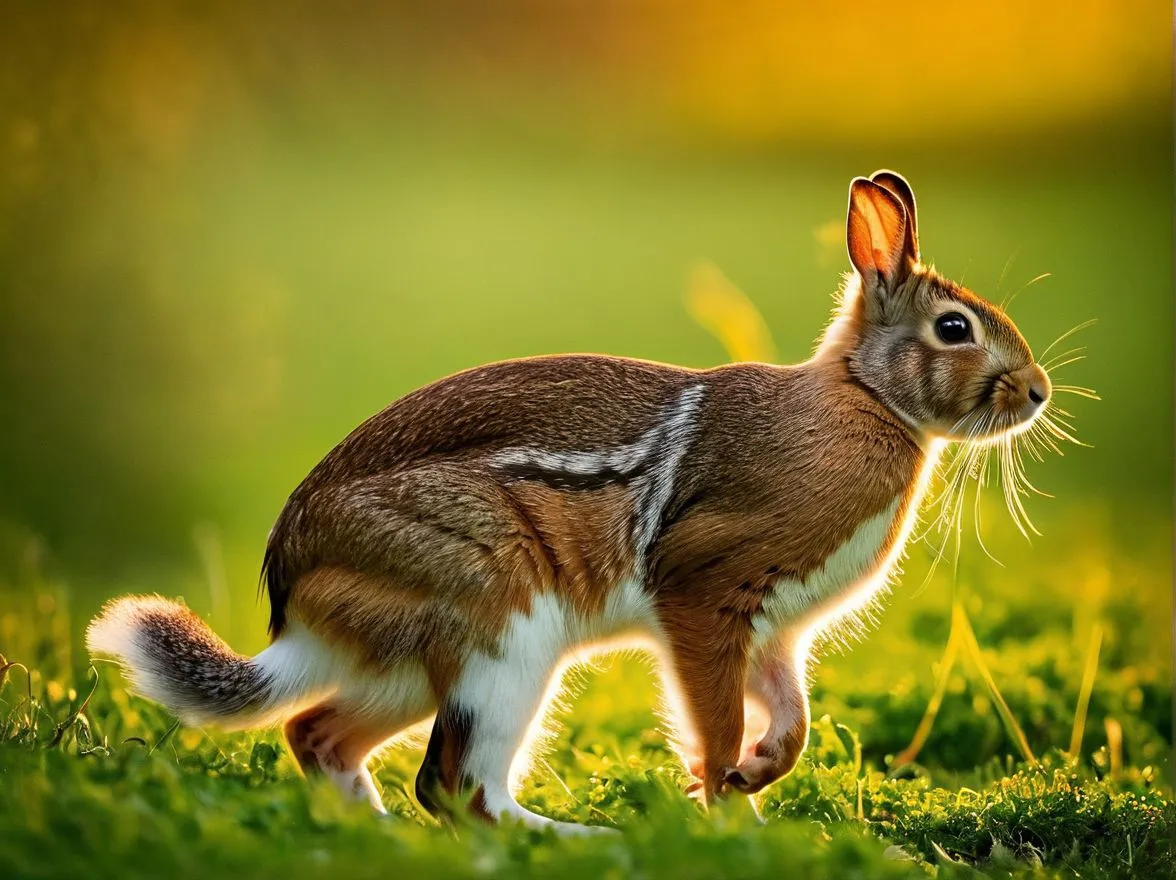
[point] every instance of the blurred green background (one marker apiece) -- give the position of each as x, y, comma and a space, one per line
230, 232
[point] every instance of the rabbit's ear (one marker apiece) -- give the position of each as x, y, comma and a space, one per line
898, 185
876, 235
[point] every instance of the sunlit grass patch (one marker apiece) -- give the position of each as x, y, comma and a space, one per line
111, 787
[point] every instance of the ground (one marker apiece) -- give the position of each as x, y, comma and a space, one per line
1000, 668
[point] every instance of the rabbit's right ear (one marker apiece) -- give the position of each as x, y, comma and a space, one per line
878, 236
898, 185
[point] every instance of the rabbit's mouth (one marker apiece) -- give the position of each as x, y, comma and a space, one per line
1020, 396
1009, 403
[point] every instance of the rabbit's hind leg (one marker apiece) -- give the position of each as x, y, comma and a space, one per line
337, 737
485, 722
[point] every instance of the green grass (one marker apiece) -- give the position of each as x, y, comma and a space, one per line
106, 785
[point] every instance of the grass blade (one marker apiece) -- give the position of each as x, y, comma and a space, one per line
725, 311
946, 665
1088, 674
1114, 746
968, 636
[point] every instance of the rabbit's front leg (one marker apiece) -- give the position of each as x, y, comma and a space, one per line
708, 654
775, 688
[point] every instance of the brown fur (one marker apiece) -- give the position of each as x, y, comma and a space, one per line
410, 474
585, 535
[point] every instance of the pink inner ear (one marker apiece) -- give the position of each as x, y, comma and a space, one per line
884, 227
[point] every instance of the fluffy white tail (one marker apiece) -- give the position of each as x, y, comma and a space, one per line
172, 656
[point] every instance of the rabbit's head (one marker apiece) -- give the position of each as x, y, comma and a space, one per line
950, 364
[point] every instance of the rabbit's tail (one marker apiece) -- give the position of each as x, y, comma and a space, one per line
172, 656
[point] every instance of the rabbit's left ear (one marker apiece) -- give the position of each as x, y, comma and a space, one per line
898, 185
877, 238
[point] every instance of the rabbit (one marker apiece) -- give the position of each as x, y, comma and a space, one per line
457, 550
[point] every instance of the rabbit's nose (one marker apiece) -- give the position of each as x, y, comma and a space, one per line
1038, 384
1033, 382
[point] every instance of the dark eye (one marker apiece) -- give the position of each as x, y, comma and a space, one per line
953, 328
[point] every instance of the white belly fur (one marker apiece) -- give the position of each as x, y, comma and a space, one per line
850, 578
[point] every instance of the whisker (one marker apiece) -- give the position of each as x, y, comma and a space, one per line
1030, 441
1059, 416
976, 458
1013, 486
1044, 436
1058, 432
1078, 328
976, 514
1054, 367
1041, 432
1023, 476
1080, 391
968, 461
1024, 286
1078, 349
956, 467
1003, 272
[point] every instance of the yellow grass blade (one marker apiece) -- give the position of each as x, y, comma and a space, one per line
1084, 692
723, 309
1115, 746
968, 636
946, 665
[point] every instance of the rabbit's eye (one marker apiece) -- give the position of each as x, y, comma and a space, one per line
953, 328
